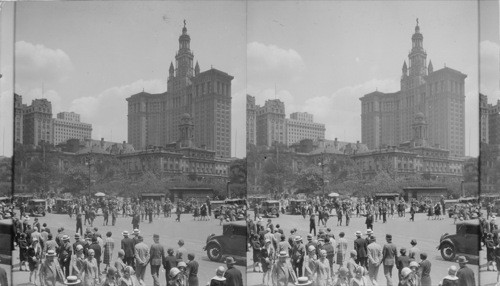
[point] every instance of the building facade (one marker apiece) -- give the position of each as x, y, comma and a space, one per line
251, 120
271, 124
484, 118
153, 118
301, 125
37, 122
18, 118
178, 158
386, 118
67, 126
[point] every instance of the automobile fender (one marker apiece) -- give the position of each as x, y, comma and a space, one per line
446, 240
213, 242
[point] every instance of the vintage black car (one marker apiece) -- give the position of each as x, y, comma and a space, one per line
61, 206
232, 242
270, 208
295, 206
37, 207
6, 241
464, 242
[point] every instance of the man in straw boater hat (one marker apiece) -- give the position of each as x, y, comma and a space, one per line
65, 252
298, 254
127, 244
50, 270
233, 276
73, 280
361, 247
465, 274
282, 273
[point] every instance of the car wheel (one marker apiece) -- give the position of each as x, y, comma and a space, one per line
214, 252
448, 251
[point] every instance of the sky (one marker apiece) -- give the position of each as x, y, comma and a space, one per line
321, 57
88, 56
316, 56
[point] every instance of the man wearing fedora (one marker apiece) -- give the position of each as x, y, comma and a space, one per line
65, 252
390, 254
50, 270
298, 254
157, 252
141, 258
374, 258
283, 273
233, 276
465, 274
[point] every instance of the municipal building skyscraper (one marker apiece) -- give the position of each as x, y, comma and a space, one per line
153, 119
386, 118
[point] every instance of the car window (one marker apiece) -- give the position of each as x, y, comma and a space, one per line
240, 231
472, 229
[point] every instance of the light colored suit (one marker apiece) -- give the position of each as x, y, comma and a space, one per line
374, 259
50, 273
141, 259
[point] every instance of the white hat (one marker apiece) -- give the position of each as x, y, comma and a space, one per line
174, 271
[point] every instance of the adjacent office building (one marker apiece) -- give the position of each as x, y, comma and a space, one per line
67, 126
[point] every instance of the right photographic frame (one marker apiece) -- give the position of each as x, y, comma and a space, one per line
371, 152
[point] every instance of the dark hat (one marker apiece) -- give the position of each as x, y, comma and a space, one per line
413, 242
156, 236
388, 236
462, 259
230, 260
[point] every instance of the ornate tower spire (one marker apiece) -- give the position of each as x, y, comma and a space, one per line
417, 54
186, 127
196, 69
405, 69
184, 57
171, 71
430, 68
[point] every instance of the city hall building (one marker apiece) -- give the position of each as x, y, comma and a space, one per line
386, 118
153, 119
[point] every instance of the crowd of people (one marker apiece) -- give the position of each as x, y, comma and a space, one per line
327, 259
86, 259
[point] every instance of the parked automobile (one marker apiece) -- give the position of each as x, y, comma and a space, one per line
294, 206
232, 242
464, 242
37, 207
270, 208
61, 206
6, 241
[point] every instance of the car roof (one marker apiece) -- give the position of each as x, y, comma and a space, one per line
236, 223
468, 222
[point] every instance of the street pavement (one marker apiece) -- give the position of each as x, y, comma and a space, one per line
426, 232
193, 232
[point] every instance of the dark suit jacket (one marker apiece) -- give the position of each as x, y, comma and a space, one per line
128, 246
466, 277
390, 253
233, 277
360, 246
156, 254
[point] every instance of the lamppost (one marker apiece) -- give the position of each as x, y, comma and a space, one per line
462, 188
89, 161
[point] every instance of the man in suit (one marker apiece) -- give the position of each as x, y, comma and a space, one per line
141, 258
233, 276
65, 251
390, 254
192, 270
465, 274
50, 271
360, 246
283, 272
127, 244
157, 253
425, 271
169, 262
374, 258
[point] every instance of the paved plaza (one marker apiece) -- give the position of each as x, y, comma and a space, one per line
193, 232
426, 232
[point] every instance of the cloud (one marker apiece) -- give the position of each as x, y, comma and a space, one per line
489, 69
270, 62
36, 63
107, 111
